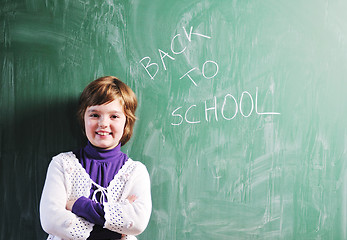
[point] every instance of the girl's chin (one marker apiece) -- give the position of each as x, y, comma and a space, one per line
104, 146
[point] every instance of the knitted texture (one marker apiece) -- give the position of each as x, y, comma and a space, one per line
114, 213
68, 179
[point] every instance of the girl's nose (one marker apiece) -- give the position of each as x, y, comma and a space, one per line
102, 122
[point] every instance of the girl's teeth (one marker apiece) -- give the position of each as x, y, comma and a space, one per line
103, 134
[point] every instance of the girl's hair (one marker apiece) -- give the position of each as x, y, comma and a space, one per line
104, 90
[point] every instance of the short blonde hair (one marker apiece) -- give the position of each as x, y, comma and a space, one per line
104, 90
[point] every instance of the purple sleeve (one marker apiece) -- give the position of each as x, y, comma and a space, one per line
92, 211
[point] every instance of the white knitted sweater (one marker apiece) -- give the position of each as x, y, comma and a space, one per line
67, 180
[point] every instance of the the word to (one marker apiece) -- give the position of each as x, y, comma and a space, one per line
209, 62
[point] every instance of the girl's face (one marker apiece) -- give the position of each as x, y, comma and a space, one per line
104, 124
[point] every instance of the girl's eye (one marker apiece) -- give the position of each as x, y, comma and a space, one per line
94, 115
114, 116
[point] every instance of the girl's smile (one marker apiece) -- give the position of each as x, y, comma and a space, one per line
104, 124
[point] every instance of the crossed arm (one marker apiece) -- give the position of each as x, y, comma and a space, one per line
58, 217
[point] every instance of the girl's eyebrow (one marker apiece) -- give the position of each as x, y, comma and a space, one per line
116, 112
92, 110
95, 110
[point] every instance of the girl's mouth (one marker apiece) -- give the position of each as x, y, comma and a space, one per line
103, 133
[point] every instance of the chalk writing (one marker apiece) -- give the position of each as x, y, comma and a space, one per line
152, 68
203, 71
230, 106
229, 109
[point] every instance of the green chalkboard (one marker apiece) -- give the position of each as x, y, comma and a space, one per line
242, 119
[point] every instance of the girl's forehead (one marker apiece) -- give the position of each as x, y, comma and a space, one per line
113, 101
115, 105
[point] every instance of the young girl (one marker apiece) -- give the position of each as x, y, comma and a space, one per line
97, 192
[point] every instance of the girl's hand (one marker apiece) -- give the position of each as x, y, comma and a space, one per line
69, 205
131, 198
